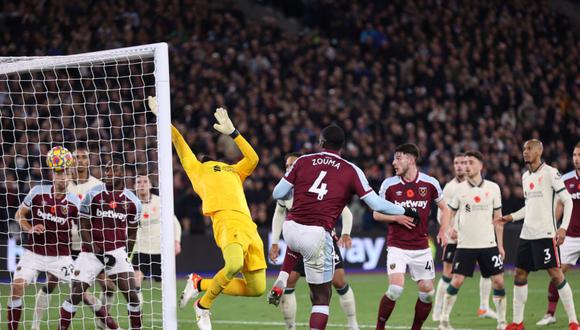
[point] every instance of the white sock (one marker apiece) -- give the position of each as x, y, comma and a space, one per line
448, 302
567, 298
500, 305
282, 280
40, 306
519, 302
288, 308
140, 295
484, 292
439, 296
348, 305
107, 300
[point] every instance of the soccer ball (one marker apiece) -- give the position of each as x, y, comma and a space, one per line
59, 158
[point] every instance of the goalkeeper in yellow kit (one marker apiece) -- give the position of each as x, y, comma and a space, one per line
220, 187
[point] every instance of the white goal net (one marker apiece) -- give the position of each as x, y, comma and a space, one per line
94, 105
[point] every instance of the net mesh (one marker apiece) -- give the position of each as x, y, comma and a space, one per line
92, 103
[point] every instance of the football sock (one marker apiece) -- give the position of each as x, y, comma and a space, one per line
565, 293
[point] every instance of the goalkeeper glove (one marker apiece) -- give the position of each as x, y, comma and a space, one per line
106, 259
152, 101
412, 213
224, 125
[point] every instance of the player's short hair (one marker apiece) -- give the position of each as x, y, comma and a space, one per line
293, 154
459, 154
577, 145
81, 146
332, 137
476, 154
408, 149
117, 159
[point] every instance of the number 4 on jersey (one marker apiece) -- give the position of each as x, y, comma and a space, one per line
318, 187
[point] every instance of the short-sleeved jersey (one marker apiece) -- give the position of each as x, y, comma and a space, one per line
572, 183
540, 189
56, 215
149, 233
323, 184
419, 194
80, 191
109, 212
475, 206
448, 194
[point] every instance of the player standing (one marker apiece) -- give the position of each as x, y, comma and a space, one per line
407, 241
220, 187
570, 249
539, 239
53, 211
146, 257
477, 202
287, 300
80, 184
459, 164
110, 217
322, 184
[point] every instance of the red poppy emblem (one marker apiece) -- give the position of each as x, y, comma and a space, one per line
146, 215
410, 193
113, 204
532, 186
477, 199
53, 209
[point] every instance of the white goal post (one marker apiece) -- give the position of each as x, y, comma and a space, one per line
45, 76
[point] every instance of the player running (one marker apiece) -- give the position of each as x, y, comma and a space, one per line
287, 300
570, 249
52, 211
322, 184
220, 187
459, 164
477, 202
110, 217
407, 241
539, 239
146, 258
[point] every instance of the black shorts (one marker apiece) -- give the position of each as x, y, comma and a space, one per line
449, 253
74, 254
299, 268
489, 260
148, 264
538, 254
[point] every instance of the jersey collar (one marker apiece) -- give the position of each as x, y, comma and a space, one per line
537, 168
416, 179
479, 185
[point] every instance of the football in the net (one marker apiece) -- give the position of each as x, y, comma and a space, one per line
59, 158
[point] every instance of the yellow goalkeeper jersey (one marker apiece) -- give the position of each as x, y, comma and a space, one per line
219, 185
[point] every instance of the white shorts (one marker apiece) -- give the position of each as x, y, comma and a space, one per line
420, 263
316, 247
31, 264
87, 266
570, 250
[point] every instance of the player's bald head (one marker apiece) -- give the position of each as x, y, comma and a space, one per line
535, 144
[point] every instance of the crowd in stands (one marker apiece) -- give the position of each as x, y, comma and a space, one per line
449, 76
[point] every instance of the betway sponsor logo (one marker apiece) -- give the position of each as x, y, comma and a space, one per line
415, 204
50, 217
575, 195
111, 214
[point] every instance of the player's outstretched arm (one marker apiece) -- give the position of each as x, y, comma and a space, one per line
225, 126
445, 221
186, 156
382, 205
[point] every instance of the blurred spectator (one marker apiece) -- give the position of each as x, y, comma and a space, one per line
449, 76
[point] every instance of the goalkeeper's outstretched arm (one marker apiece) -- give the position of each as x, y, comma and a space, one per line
186, 156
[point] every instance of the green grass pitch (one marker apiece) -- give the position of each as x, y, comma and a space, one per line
254, 313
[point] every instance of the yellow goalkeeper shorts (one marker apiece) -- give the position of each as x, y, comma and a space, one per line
235, 227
